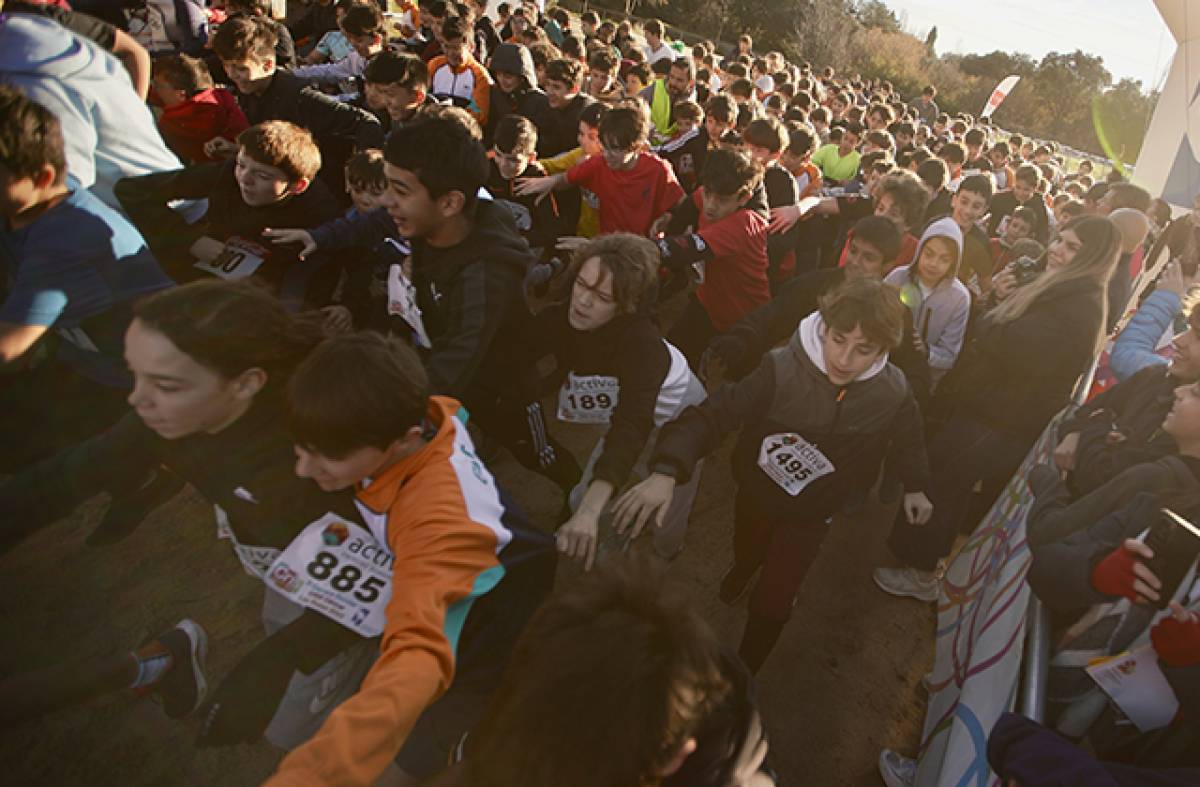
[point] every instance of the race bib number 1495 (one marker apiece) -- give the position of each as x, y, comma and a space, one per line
792, 462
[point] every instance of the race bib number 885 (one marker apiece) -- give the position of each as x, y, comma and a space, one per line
337, 568
792, 462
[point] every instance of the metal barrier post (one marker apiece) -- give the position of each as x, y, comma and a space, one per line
1036, 665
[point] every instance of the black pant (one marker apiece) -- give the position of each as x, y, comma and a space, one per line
520, 426
965, 452
692, 332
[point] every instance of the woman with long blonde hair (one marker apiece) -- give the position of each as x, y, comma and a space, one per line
1015, 373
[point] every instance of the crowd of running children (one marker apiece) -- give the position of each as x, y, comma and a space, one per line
325, 271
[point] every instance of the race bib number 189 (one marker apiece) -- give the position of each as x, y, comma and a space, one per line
792, 462
337, 568
588, 399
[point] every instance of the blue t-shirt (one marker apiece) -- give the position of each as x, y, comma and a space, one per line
78, 268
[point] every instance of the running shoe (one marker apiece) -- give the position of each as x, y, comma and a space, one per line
908, 582
896, 770
183, 687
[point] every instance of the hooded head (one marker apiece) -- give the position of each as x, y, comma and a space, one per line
938, 253
514, 60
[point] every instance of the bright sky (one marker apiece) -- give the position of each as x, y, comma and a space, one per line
1128, 34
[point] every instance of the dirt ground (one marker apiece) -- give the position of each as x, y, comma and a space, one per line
842, 683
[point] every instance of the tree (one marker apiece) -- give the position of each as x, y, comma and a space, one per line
997, 65
1068, 83
931, 41
874, 13
1120, 118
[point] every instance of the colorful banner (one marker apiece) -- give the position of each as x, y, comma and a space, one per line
980, 636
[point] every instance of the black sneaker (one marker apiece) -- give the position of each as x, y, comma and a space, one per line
183, 687
124, 514
734, 584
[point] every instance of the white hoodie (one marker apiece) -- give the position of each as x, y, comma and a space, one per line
109, 132
811, 332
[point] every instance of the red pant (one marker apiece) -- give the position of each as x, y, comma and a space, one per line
785, 548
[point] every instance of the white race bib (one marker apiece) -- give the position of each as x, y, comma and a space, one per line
255, 560
792, 462
588, 399
402, 302
239, 259
337, 568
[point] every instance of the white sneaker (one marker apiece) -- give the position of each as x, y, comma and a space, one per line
907, 581
897, 770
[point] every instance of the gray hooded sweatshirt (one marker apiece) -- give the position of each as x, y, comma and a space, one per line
939, 315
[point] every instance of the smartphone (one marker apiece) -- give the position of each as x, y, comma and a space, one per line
1176, 545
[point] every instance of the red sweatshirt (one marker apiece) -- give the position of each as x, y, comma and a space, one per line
210, 113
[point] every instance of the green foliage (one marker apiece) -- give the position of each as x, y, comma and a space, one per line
876, 14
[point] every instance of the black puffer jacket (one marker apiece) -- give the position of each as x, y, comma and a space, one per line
850, 425
1134, 410
1015, 376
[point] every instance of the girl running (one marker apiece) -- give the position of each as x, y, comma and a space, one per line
208, 361
619, 376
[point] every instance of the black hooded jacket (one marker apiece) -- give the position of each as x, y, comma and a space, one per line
527, 100
472, 302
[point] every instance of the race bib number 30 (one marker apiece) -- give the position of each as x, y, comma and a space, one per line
337, 568
588, 399
792, 462
239, 259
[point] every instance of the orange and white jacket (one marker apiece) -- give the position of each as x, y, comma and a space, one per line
469, 86
447, 527
808, 179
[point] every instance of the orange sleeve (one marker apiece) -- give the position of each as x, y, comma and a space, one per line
814, 181
440, 553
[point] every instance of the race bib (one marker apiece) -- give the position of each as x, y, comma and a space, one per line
792, 462
337, 568
588, 399
255, 560
402, 303
239, 259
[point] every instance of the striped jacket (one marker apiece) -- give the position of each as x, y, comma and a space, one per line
469, 86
